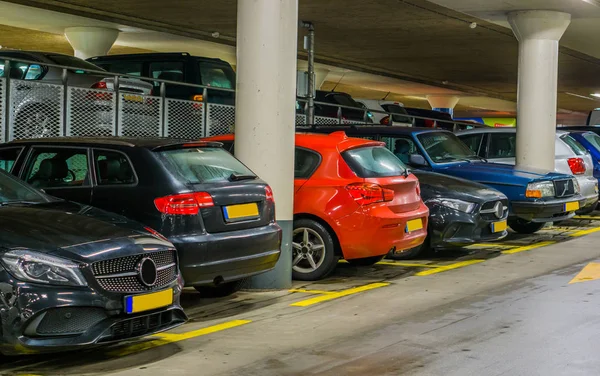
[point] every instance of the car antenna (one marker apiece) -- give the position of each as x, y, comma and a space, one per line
385, 97
340, 80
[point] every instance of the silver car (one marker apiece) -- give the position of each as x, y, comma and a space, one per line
37, 96
499, 144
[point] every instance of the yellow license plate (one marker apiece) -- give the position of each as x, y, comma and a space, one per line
499, 226
414, 225
147, 302
242, 211
572, 206
133, 98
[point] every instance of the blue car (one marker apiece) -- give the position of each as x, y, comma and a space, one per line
535, 197
591, 141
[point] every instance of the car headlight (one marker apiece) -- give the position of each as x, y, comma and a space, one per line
38, 267
540, 189
460, 205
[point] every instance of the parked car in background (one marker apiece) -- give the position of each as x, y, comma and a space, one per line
73, 276
218, 213
591, 142
499, 145
435, 119
336, 99
353, 200
534, 197
386, 106
178, 67
37, 108
461, 212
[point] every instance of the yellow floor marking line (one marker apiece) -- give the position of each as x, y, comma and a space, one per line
162, 339
338, 294
490, 245
321, 292
528, 247
589, 273
408, 264
444, 268
589, 217
585, 232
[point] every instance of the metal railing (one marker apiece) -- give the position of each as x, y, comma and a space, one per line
68, 107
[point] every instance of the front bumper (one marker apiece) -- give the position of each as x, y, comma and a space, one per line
228, 256
40, 319
544, 210
376, 230
451, 228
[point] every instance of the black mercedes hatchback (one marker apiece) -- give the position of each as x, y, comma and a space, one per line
218, 213
74, 276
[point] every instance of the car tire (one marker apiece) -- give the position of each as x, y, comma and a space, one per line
412, 253
222, 290
312, 241
522, 226
366, 261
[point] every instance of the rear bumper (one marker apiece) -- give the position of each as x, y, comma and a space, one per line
589, 190
368, 232
544, 211
451, 228
228, 256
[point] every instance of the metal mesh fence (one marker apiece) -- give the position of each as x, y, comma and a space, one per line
221, 119
184, 119
300, 119
321, 120
36, 109
90, 112
2, 110
140, 115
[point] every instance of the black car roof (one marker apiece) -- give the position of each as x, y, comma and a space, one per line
142, 142
154, 55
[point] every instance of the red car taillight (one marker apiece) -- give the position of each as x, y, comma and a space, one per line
429, 123
366, 193
577, 166
99, 96
100, 85
156, 233
183, 204
269, 194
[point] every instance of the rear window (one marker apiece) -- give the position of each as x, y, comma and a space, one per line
593, 139
203, 165
123, 67
574, 145
373, 162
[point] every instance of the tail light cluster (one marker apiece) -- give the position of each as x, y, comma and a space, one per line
577, 166
100, 96
183, 204
368, 193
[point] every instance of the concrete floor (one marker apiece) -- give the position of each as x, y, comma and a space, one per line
511, 315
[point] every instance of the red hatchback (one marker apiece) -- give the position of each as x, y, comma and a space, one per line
353, 200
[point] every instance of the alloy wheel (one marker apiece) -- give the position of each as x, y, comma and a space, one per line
308, 250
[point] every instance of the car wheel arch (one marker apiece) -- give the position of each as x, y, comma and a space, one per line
338, 247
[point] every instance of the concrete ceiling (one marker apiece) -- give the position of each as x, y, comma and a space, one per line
414, 41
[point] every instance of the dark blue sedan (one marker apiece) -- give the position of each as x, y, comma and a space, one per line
591, 141
535, 197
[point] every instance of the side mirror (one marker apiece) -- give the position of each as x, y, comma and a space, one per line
418, 160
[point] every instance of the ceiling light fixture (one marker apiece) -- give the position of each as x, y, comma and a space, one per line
597, 95
580, 96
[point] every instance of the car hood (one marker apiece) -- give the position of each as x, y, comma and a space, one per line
78, 232
498, 173
444, 186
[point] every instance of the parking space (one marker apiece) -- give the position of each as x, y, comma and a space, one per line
211, 316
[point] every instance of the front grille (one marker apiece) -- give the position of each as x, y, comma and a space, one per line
139, 326
488, 211
69, 321
120, 275
564, 188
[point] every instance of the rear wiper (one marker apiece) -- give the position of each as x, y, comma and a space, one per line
236, 177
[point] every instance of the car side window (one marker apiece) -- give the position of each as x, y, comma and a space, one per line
402, 147
502, 145
58, 168
305, 163
473, 141
8, 157
23, 71
167, 70
113, 168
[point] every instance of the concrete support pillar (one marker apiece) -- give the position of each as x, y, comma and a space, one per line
443, 103
267, 32
91, 41
538, 33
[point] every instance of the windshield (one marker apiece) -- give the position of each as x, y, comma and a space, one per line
593, 139
445, 147
13, 190
203, 165
374, 162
